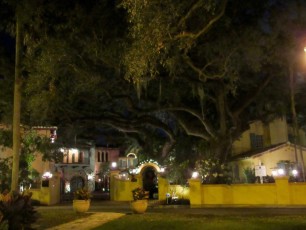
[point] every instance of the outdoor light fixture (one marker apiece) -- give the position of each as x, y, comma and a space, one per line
195, 175
294, 172
67, 187
90, 177
281, 172
114, 164
162, 170
47, 175
123, 176
274, 173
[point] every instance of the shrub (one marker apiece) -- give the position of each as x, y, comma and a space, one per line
249, 175
16, 210
82, 194
139, 193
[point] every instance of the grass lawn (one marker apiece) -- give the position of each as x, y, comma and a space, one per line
150, 221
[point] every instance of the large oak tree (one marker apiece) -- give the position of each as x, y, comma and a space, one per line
168, 75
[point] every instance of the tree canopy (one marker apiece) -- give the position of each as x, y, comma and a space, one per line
181, 77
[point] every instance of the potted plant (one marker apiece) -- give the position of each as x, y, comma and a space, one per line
81, 201
140, 203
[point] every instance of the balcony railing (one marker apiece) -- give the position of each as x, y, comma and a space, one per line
84, 162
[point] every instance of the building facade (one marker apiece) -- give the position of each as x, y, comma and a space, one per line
271, 146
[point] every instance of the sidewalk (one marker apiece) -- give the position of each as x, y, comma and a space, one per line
95, 220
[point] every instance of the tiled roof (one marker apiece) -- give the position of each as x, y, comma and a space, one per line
257, 152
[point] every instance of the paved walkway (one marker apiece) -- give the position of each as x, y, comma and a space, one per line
94, 220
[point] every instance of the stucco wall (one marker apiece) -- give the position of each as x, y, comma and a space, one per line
243, 144
278, 131
48, 195
271, 157
275, 132
121, 190
277, 194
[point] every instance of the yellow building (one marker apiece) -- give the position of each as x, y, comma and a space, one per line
268, 145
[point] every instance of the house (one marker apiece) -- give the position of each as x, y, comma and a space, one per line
267, 148
105, 157
38, 166
82, 164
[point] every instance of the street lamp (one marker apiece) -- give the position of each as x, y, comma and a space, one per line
294, 119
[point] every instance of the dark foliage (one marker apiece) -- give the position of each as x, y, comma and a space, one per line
16, 209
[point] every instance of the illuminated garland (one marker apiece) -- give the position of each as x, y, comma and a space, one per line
136, 170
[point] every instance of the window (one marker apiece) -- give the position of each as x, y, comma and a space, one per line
81, 157
256, 141
99, 157
106, 157
73, 158
123, 163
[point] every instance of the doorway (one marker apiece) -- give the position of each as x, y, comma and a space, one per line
76, 182
150, 184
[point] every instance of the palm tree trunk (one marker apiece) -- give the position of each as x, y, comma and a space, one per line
17, 104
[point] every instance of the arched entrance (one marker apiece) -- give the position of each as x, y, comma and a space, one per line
149, 179
76, 182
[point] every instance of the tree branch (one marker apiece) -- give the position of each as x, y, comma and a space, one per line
207, 27
251, 97
203, 121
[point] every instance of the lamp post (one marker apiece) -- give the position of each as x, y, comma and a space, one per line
294, 120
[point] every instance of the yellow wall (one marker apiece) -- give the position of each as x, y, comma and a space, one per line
278, 194
48, 195
257, 128
271, 157
238, 194
302, 137
275, 132
278, 131
243, 144
121, 190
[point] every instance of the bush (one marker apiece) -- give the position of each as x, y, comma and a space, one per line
138, 194
249, 175
16, 210
82, 194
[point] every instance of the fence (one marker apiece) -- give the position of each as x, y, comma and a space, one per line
280, 193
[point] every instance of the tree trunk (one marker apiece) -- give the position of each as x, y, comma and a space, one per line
17, 104
222, 112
